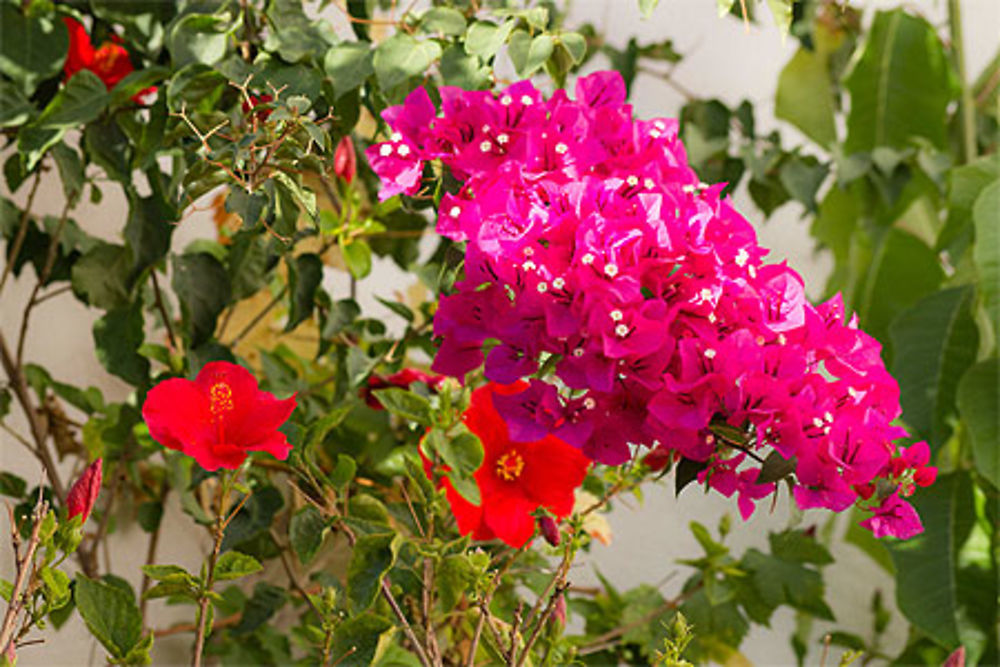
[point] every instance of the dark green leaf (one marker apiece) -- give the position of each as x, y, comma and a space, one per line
798, 547
267, 599
247, 205
32, 48
255, 517
934, 342
343, 472
406, 404
100, 276
356, 639
402, 56
110, 613
900, 86
110, 148
235, 565
148, 231
373, 557
927, 565
978, 401
202, 286
965, 183
305, 273
305, 533
117, 337
70, 170
80, 101
149, 515
686, 472
247, 265
12, 485
15, 108
775, 468
136, 82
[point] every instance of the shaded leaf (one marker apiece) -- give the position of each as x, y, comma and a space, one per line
979, 404
202, 287
117, 338
986, 252
305, 533
373, 557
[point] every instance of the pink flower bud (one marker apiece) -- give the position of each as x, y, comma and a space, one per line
559, 610
550, 531
956, 659
83, 494
345, 162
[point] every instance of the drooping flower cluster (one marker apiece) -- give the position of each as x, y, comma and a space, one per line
594, 250
517, 477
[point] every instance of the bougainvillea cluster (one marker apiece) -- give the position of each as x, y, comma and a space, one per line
638, 302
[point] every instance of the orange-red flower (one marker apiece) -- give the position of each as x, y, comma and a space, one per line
219, 417
110, 61
515, 478
83, 494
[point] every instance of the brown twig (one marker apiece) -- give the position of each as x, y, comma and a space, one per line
191, 627
24, 565
154, 541
259, 316
407, 630
22, 230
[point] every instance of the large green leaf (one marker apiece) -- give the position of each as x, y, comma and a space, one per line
32, 48
202, 286
965, 183
305, 273
148, 231
889, 274
80, 101
986, 217
373, 556
900, 85
402, 56
805, 97
117, 337
198, 38
979, 404
934, 342
100, 277
305, 533
927, 588
110, 613
348, 65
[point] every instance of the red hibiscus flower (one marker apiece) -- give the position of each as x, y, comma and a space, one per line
219, 417
83, 494
402, 379
516, 478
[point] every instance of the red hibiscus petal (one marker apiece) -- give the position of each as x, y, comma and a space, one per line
81, 52
553, 469
276, 445
509, 516
178, 417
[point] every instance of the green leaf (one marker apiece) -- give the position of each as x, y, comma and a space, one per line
255, 518
646, 7
373, 557
927, 565
406, 404
348, 65
358, 257
900, 85
986, 252
401, 57
528, 53
779, 581
798, 547
110, 613
166, 572
136, 82
197, 38
356, 640
305, 533
10, 484
462, 70
100, 277
15, 107
32, 48
978, 398
305, 273
444, 20
247, 205
56, 586
82, 100
484, 39
575, 45
965, 183
247, 264
117, 337
202, 286
462, 453
267, 599
890, 276
148, 231
782, 12
108, 146
805, 97
235, 565
70, 171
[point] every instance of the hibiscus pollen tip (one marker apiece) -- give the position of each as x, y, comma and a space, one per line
220, 397
509, 466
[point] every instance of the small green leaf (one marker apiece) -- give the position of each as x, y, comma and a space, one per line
343, 472
358, 257
403, 56
10, 484
56, 586
462, 453
444, 20
164, 572
305, 533
462, 70
805, 97
646, 7
110, 613
575, 45
406, 404
356, 640
267, 599
978, 398
373, 557
234, 565
529, 53
484, 39
782, 12
348, 65
148, 230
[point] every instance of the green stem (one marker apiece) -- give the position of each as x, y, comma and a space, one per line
218, 532
967, 105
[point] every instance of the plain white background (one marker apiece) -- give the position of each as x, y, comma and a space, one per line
722, 59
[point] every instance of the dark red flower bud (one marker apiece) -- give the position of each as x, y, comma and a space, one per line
866, 491
658, 459
256, 100
956, 659
345, 161
550, 531
82, 496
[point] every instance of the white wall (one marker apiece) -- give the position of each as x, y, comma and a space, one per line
722, 60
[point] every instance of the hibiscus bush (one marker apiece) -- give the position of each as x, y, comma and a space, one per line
584, 314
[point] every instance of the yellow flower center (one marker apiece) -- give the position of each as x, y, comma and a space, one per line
509, 466
220, 397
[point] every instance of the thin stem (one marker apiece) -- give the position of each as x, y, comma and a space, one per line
24, 567
428, 602
218, 533
257, 318
163, 311
967, 104
154, 541
407, 630
22, 230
